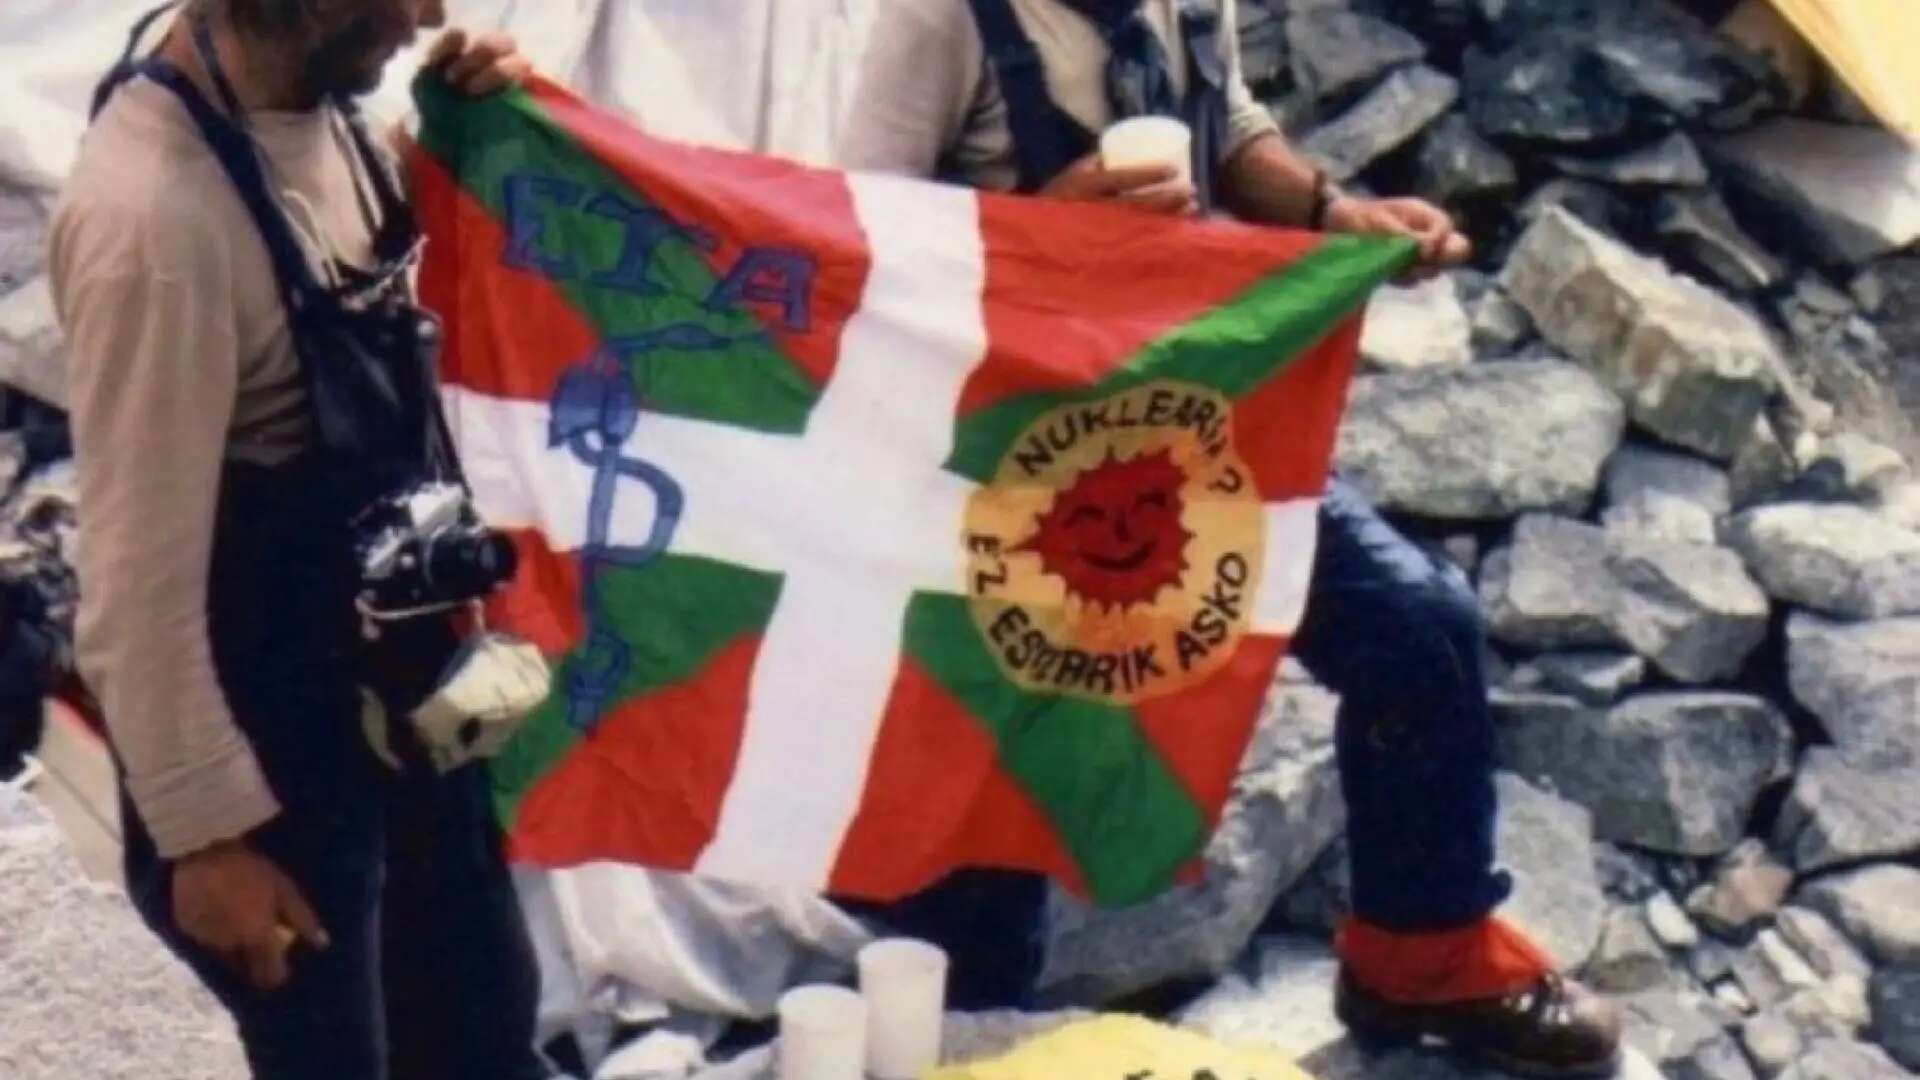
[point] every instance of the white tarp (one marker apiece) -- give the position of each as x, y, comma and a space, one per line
771, 75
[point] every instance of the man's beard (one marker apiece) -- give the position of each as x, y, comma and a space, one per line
348, 62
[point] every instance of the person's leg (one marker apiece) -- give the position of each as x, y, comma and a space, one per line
1396, 632
281, 628
462, 985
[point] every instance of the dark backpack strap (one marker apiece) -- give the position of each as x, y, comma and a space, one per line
127, 66
1045, 139
299, 288
1206, 104
396, 230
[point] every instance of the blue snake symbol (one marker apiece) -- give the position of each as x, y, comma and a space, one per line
595, 409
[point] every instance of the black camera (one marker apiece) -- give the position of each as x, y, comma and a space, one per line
424, 549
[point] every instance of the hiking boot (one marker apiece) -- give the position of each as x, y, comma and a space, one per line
1556, 1028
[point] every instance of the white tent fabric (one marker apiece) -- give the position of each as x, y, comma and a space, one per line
770, 75
616, 943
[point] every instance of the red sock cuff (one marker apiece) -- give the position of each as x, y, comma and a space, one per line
1488, 959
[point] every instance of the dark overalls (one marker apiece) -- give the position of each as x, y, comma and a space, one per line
1393, 629
430, 973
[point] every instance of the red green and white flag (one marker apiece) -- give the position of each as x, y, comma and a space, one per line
876, 528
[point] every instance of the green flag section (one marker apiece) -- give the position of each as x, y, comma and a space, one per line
876, 528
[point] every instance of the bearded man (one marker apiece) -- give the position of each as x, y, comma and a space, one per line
357, 923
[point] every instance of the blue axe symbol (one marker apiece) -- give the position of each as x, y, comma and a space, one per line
595, 410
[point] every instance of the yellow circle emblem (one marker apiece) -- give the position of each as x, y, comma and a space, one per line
1116, 554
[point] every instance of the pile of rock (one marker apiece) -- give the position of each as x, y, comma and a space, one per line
1668, 423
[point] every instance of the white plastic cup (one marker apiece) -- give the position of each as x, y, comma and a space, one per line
823, 1034
905, 984
1149, 140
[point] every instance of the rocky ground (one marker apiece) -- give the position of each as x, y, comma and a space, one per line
1667, 421
85, 991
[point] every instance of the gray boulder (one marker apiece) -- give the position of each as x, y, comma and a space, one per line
1349, 1060
1844, 560
1626, 876
1747, 888
1669, 923
86, 989
1863, 681
1853, 191
1544, 89
1895, 1000
1826, 949
1684, 1034
1550, 589
1861, 469
1284, 811
1336, 51
1838, 814
1391, 114
1281, 1000
1319, 900
1673, 161
1659, 517
1456, 165
1629, 957
1480, 442
1635, 471
1717, 962
1690, 608
1842, 1059
1263, 45
1416, 326
1842, 359
1596, 204
1499, 325
1762, 468
1700, 234
1592, 677
1544, 842
1693, 367
1784, 1033
1672, 772
1877, 906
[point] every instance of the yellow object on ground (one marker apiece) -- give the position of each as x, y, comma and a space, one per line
1873, 46
1125, 1048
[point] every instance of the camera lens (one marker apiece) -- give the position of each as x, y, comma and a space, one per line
471, 566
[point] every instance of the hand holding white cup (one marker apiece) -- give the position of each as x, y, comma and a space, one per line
1149, 140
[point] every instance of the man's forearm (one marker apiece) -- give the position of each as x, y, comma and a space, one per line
1266, 181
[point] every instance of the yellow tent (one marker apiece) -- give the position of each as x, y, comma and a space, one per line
1871, 45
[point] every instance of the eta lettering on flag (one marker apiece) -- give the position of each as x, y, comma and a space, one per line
876, 527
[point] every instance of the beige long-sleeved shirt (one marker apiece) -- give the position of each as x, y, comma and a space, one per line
928, 101
178, 361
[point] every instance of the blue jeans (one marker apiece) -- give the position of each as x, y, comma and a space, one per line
1396, 632
430, 975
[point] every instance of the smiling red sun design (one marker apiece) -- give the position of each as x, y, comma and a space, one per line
1114, 535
